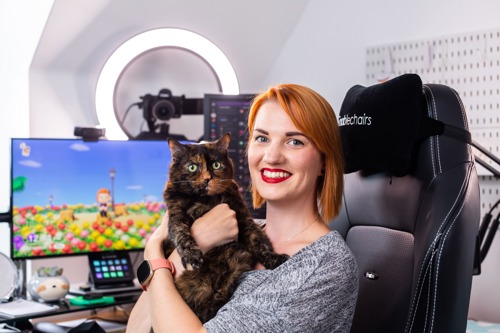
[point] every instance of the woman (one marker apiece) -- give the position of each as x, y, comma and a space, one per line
295, 162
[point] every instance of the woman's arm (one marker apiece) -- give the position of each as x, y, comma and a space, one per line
168, 311
162, 307
139, 320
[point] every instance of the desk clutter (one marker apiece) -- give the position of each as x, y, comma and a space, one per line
21, 315
85, 301
48, 284
53, 298
22, 307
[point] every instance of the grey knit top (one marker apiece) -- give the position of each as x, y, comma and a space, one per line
314, 291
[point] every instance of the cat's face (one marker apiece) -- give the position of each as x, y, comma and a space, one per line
201, 168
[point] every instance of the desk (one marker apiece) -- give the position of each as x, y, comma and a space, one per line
23, 322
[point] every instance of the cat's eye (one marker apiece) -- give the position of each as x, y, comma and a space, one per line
216, 165
192, 167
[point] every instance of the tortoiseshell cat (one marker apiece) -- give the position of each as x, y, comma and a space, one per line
201, 177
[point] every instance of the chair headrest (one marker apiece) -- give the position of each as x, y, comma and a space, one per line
381, 125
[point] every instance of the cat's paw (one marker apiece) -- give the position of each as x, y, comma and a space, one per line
193, 261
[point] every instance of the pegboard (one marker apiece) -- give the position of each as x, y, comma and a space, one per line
470, 64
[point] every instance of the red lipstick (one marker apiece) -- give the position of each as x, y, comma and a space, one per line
274, 176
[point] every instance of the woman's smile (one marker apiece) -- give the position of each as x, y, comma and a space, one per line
274, 175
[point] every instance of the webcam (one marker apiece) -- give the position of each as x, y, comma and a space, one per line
89, 133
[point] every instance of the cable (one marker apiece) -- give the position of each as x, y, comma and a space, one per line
122, 121
486, 221
483, 227
483, 244
486, 243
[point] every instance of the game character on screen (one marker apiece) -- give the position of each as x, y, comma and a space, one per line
103, 198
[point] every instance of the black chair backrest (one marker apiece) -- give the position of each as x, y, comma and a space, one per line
414, 236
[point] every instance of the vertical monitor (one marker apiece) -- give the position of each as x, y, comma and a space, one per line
229, 113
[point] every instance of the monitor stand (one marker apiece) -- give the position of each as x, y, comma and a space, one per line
21, 291
88, 290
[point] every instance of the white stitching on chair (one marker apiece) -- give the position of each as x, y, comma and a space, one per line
464, 117
462, 108
467, 195
432, 148
436, 137
431, 251
432, 113
429, 290
421, 277
464, 121
446, 218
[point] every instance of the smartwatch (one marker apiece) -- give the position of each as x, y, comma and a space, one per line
147, 268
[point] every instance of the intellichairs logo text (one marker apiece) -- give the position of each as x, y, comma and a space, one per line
348, 120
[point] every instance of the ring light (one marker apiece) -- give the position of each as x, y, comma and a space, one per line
143, 42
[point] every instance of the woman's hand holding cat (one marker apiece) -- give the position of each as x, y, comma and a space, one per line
154, 246
217, 227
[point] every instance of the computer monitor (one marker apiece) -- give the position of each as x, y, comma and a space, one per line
229, 113
71, 197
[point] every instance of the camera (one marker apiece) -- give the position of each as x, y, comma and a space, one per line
161, 107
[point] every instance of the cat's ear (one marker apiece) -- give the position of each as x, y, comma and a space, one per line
175, 147
223, 142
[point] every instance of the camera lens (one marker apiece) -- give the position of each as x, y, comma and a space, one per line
163, 110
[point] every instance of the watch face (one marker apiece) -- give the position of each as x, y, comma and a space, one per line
144, 272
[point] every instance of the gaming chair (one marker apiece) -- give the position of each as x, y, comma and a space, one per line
411, 206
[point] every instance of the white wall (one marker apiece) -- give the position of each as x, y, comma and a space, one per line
327, 48
21, 24
326, 51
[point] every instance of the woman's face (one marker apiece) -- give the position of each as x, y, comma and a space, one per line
284, 163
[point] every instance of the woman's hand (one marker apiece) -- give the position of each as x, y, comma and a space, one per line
154, 245
217, 227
